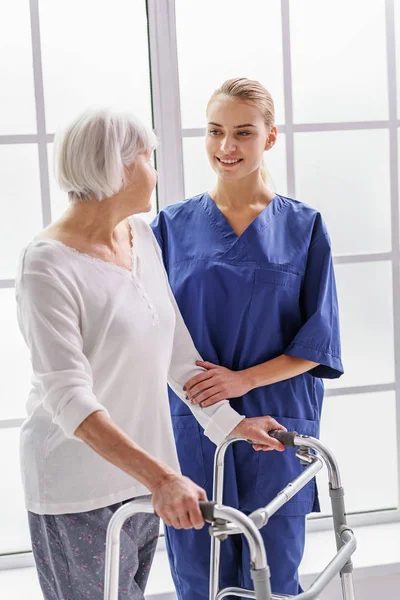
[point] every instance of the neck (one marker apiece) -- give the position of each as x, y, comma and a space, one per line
242, 194
95, 221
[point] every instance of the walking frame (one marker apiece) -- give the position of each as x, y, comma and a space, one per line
227, 521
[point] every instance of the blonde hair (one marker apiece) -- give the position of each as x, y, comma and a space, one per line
253, 92
91, 153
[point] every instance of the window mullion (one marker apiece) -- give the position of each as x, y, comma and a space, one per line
166, 100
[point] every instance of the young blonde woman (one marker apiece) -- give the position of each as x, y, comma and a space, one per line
252, 274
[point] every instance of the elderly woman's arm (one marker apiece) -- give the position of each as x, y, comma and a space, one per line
49, 320
175, 498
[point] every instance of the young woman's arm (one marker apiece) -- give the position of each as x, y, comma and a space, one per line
315, 347
218, 382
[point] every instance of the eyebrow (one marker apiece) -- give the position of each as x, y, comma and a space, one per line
236, 126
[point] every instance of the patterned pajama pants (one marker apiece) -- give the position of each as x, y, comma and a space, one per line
69, 552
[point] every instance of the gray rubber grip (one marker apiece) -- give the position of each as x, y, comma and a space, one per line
207, 510
284, 437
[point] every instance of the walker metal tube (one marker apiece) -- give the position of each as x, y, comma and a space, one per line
261, 515
347, 586
219, 468
333, 568
330, 460
258, 556
336, 493
234, 591
218, 487
111, 577
242, 593
259, 568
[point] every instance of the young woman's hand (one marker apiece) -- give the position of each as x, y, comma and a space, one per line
255, 430
215, 384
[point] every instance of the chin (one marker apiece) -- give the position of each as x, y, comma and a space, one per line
230, 176
146, 208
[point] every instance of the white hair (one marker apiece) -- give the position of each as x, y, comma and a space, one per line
90, 155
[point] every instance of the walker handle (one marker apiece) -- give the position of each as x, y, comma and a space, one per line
284, 437
207, 510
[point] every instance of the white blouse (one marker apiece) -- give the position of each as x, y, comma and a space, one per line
101, 338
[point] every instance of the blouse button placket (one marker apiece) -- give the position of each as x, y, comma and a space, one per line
144, 296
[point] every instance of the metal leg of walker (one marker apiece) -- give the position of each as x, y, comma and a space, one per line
336, 493
111, 577
345, 540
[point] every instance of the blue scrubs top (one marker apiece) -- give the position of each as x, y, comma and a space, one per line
245, 300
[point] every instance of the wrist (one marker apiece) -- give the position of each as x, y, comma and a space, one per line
249, 378
237, 431
159, 475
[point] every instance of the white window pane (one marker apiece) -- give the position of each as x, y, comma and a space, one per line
199, 176
275, 162
221, 40
369, 480
339, 68
345, 175
94, 56
397, 34
58, 198
366, 317
13, 517
14, 360
20, 203
17, 99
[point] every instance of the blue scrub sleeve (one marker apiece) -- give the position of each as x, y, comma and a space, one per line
157, 229
318, 339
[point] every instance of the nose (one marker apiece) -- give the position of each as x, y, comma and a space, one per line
228, 145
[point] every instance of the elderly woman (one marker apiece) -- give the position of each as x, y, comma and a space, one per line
105, 336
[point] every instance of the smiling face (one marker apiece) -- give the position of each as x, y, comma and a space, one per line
237, 137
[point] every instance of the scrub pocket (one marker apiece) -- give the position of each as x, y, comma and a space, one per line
275, 300
188, 444
277, 469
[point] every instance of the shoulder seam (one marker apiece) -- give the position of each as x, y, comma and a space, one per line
318, 238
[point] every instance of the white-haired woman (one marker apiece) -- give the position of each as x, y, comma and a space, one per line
105, 335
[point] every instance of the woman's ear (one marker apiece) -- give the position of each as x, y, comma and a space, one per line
271, 139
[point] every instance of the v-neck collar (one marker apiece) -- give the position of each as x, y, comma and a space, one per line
261, 221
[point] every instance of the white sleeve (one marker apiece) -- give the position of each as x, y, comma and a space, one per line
49, 321
219, 419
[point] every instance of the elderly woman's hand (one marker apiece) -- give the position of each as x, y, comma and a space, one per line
176, 501
255, 430
216, 384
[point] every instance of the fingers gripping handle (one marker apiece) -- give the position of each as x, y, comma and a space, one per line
207, 510
284, 437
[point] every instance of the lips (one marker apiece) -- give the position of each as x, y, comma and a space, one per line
236, 161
